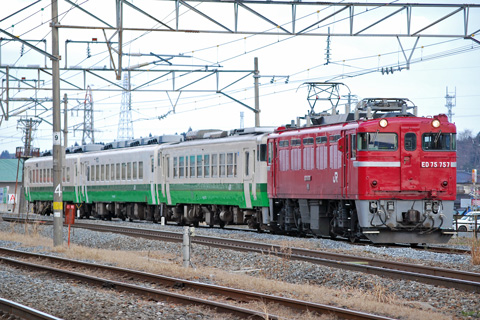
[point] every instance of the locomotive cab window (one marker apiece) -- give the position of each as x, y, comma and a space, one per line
410, 141
439, 141
377, 141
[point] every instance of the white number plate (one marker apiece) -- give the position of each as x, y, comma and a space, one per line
436, 164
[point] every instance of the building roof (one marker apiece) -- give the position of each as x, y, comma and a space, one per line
8, 170
464, 177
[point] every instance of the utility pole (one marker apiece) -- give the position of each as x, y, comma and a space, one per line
57, 146
257, 94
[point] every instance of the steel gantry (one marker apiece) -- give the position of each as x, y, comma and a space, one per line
279, 18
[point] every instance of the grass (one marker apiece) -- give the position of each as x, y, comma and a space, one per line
375, 300
475, 251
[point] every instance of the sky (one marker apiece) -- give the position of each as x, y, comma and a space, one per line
437, 63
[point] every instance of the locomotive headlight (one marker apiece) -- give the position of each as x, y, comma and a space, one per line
436, 123
383, 123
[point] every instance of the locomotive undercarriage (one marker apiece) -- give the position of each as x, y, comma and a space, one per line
381, 221
406, 221
328, 218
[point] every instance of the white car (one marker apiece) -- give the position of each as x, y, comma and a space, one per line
467, 222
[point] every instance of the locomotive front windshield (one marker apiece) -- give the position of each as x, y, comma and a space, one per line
377, 141
439, 141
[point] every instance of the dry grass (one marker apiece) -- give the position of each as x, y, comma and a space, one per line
372, 301
475, 251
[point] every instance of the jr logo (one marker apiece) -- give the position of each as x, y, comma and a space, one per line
335, 177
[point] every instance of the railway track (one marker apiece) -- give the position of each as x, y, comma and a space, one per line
225, 293
462, 280
13, 311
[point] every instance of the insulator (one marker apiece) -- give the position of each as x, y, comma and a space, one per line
88, 51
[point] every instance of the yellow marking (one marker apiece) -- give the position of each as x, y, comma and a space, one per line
58, 206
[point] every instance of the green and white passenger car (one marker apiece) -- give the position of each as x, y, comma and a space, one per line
214, 180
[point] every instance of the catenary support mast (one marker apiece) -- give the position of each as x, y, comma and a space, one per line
57, 146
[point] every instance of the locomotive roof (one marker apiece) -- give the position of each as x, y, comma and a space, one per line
335, 122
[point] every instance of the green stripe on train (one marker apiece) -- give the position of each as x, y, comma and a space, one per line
195, 193
217, 193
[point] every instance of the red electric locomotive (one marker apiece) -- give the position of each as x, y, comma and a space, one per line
380, 173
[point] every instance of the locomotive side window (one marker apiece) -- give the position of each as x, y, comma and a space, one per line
283, 143
296, 142
439, 141
118, 171
107, 172
410, 141
247, 160
308, 154
307, 141
334, 138
376, 141
321, 140
103, 172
